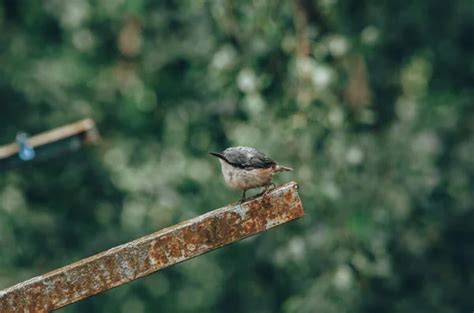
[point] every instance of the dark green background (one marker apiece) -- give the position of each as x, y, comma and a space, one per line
371, 102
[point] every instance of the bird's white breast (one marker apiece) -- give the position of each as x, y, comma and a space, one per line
242, 179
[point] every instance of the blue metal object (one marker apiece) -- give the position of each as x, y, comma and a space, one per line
25, 152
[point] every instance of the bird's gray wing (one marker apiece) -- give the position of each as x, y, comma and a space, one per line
247, 158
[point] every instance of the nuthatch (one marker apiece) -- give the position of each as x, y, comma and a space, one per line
246, 168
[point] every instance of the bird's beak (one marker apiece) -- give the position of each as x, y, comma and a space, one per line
216, 154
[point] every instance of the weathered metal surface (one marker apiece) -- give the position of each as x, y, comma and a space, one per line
156, 251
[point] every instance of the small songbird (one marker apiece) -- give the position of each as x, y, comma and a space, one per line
246, 168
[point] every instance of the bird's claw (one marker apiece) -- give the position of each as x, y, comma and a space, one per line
267, 189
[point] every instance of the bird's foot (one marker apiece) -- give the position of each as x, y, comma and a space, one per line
267, 189
242, 199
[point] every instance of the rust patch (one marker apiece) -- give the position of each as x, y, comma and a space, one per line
153, 252
288, 196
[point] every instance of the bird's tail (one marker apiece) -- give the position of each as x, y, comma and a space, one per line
282, 168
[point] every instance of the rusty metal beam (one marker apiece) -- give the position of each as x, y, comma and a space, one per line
153, 252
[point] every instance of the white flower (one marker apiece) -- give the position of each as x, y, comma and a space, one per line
354, 155
343, 277
370, 35
246, 80
321, 76
224, 58
338, 45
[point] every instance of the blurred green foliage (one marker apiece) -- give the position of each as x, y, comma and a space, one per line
370, 101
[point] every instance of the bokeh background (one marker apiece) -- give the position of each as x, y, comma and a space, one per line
372, 103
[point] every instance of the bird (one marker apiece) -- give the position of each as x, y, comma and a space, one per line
246, 168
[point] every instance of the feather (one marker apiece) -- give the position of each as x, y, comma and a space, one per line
245, 157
